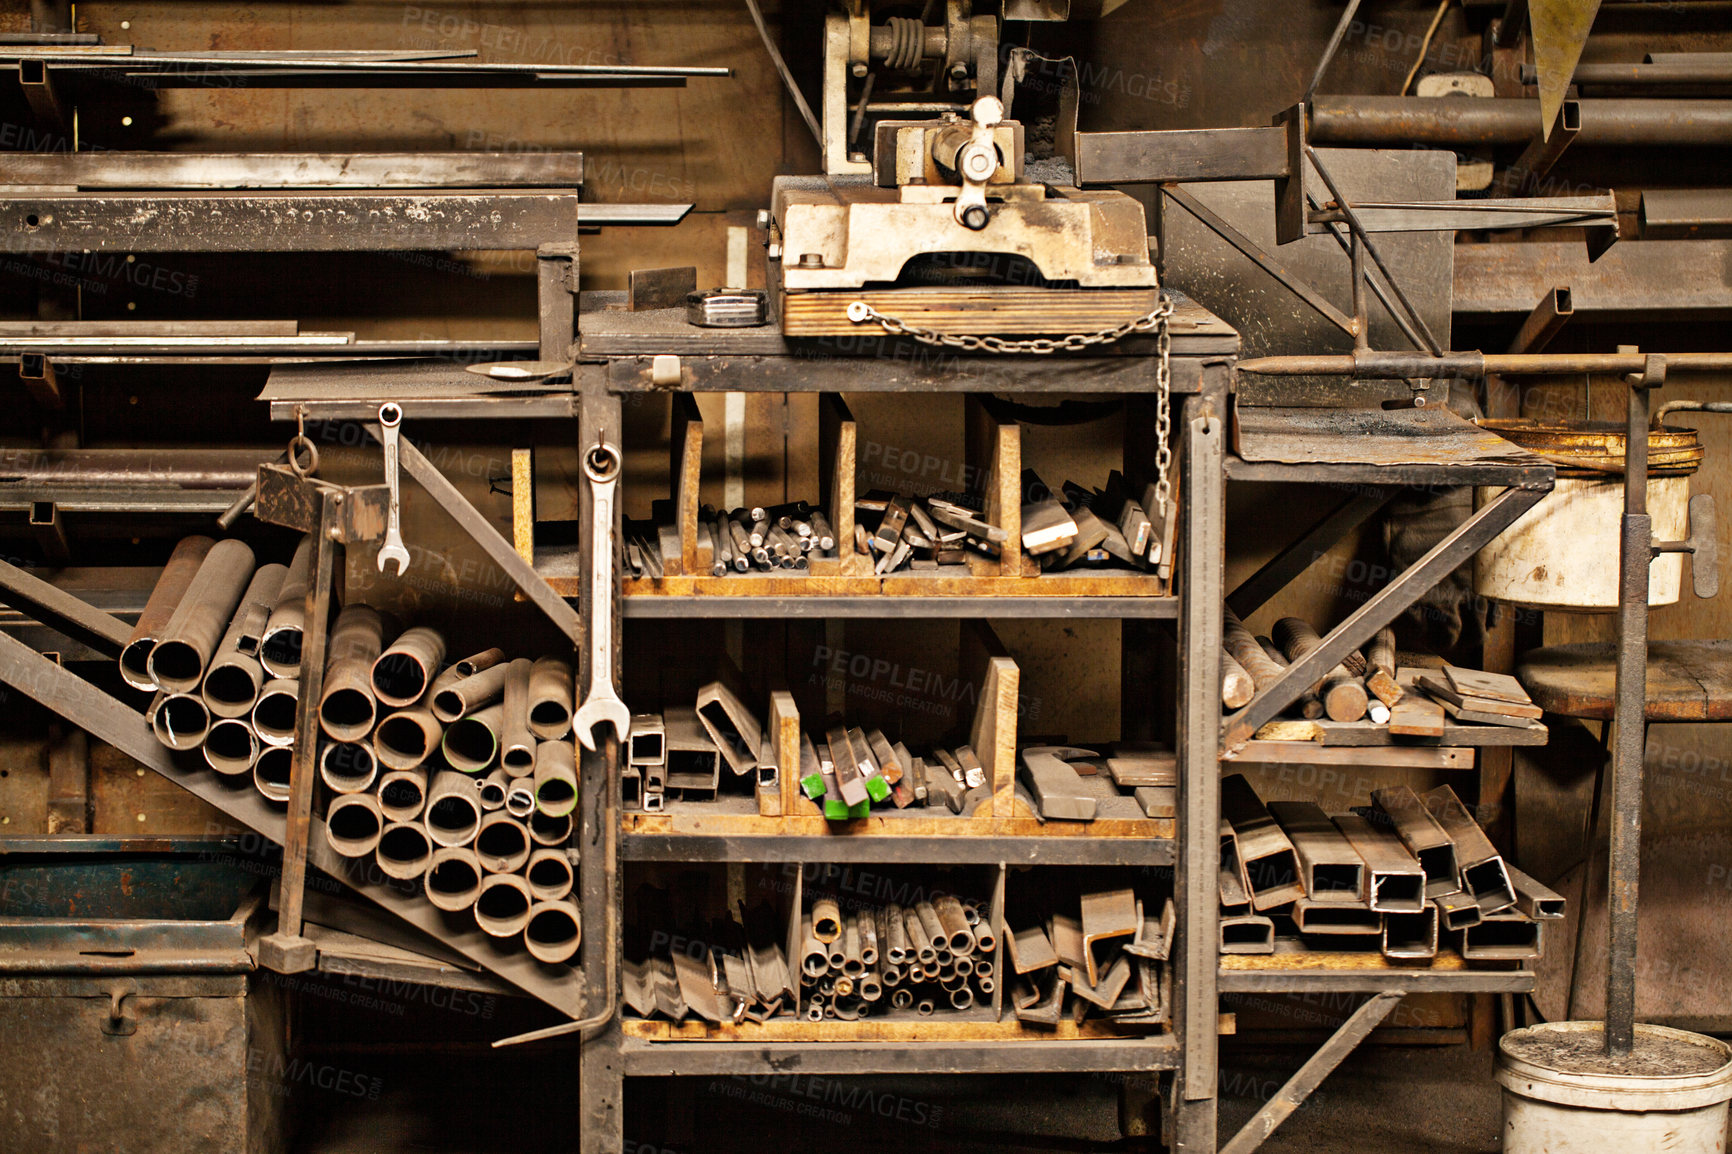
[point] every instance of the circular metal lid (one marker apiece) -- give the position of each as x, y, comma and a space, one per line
1593, 448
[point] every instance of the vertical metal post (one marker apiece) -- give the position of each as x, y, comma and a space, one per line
601, 1075
287, 951
1197, 949
556, 299
1634, 556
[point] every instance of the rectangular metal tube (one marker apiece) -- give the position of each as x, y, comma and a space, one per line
1482, 869
1394, 879
1411, 935
1335, 918
1423, 836
1503, 938
1266, 856
1534, 899
1331, 870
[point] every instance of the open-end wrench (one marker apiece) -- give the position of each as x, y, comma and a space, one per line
390, 419
601, 706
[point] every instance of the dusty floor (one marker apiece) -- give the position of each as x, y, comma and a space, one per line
493, 1105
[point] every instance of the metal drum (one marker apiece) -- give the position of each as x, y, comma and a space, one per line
1563, 553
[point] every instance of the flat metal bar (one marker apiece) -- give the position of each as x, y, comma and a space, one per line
1254, 252
1383, 607
1309, 1076
1632, 279
123, 727
913, 850
1202, 431
141, 59
1686, 212
1280, 570
644, 1059
1186, 154
546, 406
303, 767
1336, 979
96, 222
103, 632
1056, 606
292, 170
564, 618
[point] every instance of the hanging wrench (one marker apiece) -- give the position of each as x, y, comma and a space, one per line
602, 705
390, 420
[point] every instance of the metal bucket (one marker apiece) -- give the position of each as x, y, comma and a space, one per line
1563, 552
1562, 1095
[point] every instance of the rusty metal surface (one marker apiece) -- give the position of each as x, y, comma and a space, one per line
183, 1069
1594, 448
1687, 680
1371, 436
1632, 279
288, 499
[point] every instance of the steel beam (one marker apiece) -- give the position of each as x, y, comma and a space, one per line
1187, 154
103, 632
1316, 1068
1383, 607
1633, 279
116, 723
292, 170
287, 222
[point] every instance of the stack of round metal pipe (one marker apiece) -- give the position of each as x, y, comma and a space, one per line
935, 956
459, 775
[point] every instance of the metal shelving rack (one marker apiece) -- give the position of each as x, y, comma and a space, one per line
616, 350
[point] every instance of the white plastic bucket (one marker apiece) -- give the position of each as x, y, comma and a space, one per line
1563, 552
1561, 1095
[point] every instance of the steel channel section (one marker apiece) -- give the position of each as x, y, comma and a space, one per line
289, 222
1202, 426
1382, 608
112, 721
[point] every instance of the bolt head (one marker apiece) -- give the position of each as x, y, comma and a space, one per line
975, 217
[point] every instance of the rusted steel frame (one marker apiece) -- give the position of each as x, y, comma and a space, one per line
558, 611
1280, 570
304, 772
1316, 1068
1254, 252
54, 607
123, 727
1383, 608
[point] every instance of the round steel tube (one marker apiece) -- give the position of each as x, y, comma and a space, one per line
826, 920
520, 797
407, 738
986, 984
231, 685
467, 694
1406, 121
551, 696
403, 794
895, 931
271, 772
502, 843
492, 791
478, 662
353, 824
502, 907
918, 939
180, 721
347, 767
869, 987
404, 850
347, 708
545, 829
183, 565
868, 922
274, 712
453, 880
963, 966
549, 875
954, 923
925, 1006
280, 649
516, 741
402, 673
961, 998
985, 941
814, 957
231, 747
178, 662
902, 998
453, 814
555, 778
552, 932
471, 743
932, 927
1403, 366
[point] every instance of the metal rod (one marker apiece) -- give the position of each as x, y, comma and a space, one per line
1409, 121
1395, 366
1340, 33
183, 564
178, 661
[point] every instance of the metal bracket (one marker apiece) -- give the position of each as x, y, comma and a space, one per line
121, 1022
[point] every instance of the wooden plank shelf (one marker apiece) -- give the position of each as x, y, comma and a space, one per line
905, 1027
1292, 969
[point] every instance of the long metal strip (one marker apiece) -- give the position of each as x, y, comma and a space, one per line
297, 170
113, 721
1381, 609
1316, 1068
563, 616
53, 606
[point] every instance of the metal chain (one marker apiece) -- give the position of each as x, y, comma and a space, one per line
860, 312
